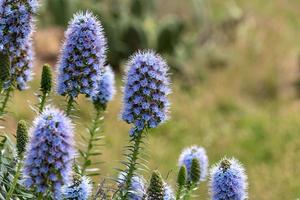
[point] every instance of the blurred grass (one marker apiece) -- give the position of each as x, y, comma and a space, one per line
248, 109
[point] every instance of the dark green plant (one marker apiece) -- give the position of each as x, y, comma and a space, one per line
22, 137
169, 35
156, 187
46, 86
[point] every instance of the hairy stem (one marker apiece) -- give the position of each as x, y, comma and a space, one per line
133, 158
15, 181
93, 133
70, 106
43, 100
5, 101
189, 189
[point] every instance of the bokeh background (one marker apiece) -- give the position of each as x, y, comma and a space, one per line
236, 82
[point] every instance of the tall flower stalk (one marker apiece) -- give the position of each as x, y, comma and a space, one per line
82, 59
145, 103
22, 140
104, 94
16, 27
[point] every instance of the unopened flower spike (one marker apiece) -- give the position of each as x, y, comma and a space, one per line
22, 137
156, 190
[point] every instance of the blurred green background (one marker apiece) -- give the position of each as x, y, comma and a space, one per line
235, 72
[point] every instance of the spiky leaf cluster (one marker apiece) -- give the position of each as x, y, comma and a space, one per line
228, 181
50, 153
82, 58
145, 103
8, 170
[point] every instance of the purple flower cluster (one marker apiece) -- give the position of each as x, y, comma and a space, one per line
145, 94
106, 88
228, 181
16, 24
48, 161
82, 60
16, 28
138, 187
168, 192
187, 157
22, 66
80, 189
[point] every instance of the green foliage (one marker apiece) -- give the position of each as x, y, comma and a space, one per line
8, 170
156, 187
22, 137
169, 36
60, 11
140, 8
91, 151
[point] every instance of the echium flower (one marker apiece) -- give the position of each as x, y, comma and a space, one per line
137, 189
16, 25
106, 88
228, 181
80, 189
145, 94
48, 161
21, 66
82, 60
186, 159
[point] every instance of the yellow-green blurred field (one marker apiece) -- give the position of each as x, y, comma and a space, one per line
248, 109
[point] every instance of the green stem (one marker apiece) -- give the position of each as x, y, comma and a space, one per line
15, 181
40, 196
5, 101
93, 132
70, 106
43, 102
190, 188
178, 195
133, 158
